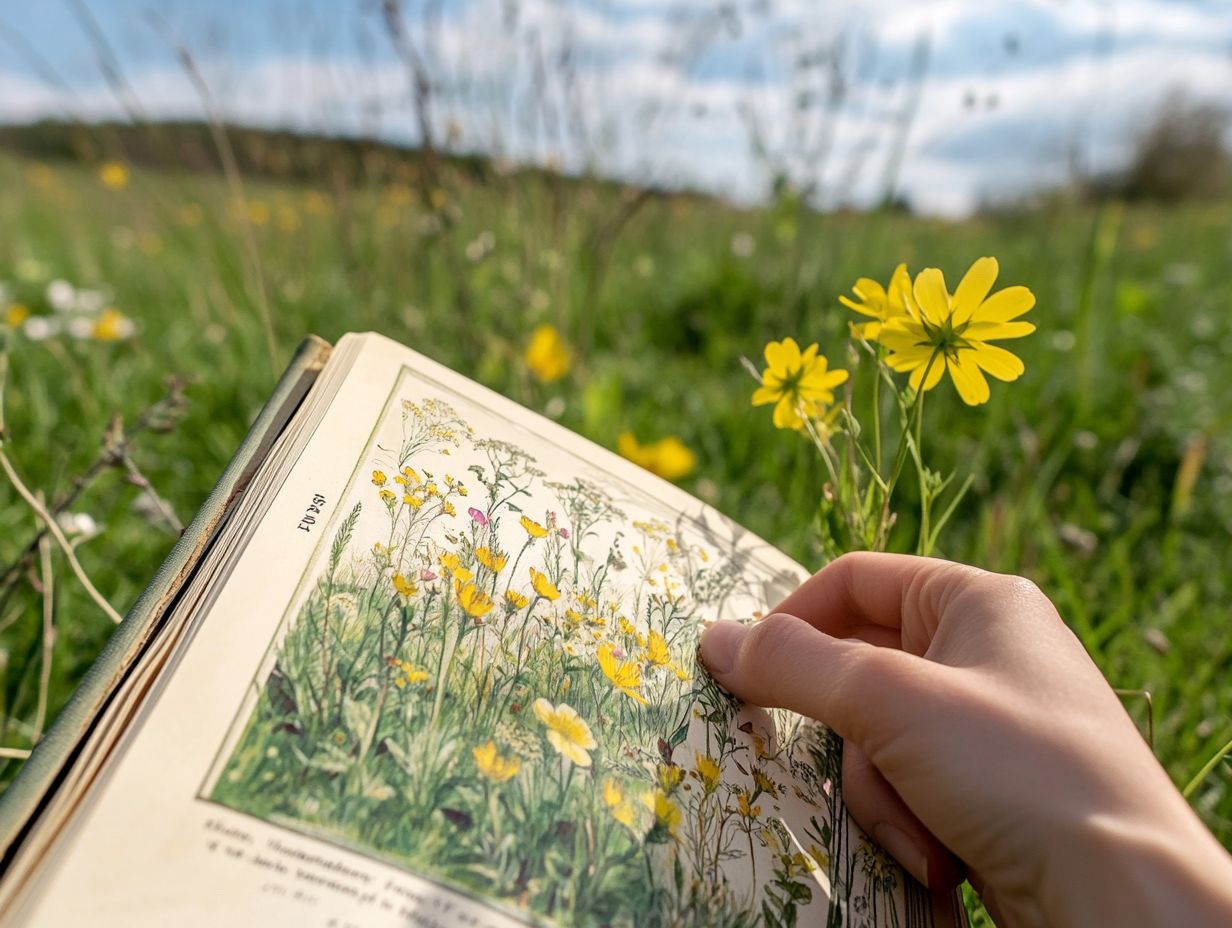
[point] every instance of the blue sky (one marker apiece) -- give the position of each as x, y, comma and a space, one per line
665, 91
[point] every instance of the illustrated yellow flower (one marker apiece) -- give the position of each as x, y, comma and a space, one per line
621, 809
764, 784
626, 676
15, 314
388, 497
747, 809
567, 732
114, 175
797, 383
656, 651
492, 765
404, 586
670, 776
493, 560
669, 457
473, 600
543, 586
612, 794
533, 528
547, 355
516, 600
708, 770
379, 478
951, 333
409, 473
666, 812
453, 565
881, 303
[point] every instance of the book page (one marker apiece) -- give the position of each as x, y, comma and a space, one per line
452, 681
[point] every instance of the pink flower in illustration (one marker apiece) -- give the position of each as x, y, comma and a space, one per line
478, 516
564, 533
426, 575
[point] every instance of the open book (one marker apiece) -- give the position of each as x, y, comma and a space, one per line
426, 658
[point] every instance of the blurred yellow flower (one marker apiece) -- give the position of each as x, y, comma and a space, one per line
666, 812
112, 326
668, 457
388, 497
626, 676
952, 332
567, 732
492, 765
379, 478
15, 314
493, 560
517, 600
114, 175
708, 771
533, 528
543, 586
547, 355
797, 383
473, 600
409, 473
881, 303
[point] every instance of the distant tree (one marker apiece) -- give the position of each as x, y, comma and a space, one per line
1180, 153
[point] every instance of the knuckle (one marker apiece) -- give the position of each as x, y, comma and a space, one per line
771, 641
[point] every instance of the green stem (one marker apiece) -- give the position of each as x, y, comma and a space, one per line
1206, 769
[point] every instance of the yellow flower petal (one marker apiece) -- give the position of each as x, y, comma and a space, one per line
761, 396
1005, 305
931, 295
985, 331
972, 289
968, 379
1002, 364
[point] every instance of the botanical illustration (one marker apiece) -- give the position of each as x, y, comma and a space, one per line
490, 681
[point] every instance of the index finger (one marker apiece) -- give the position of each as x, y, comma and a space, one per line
866, 595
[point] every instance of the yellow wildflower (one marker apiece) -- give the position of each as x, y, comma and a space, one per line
432, 490
547, 355
626, 676
797, 383
453, 564
668, 457
708, 770
567, 732
952, 333
447, 508
493, 560
111, 326
543, 586
473, 600
409, 473
516, 599
16, 314
404, 586
880, 303
533, 528
492, 765
388, 497
764, 784
114, 175
612, 794
379, 478
656, 651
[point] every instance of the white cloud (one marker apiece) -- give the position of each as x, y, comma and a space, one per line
584, 81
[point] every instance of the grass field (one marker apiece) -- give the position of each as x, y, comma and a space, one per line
1104, 474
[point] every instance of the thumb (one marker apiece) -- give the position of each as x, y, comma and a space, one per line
864, 692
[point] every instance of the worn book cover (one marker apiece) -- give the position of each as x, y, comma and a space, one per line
438, 668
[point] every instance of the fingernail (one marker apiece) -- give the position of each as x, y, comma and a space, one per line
720, 643
903, 849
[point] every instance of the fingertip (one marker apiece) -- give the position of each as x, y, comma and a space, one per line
720, 647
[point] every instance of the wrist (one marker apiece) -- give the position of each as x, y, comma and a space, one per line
1131, 870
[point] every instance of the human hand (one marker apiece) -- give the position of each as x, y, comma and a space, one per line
979, 735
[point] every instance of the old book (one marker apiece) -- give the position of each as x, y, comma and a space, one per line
426, 658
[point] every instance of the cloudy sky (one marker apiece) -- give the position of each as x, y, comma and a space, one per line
948, 101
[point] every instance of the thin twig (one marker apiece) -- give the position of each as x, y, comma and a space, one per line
163, 507
54, 529
49, 637
14, 753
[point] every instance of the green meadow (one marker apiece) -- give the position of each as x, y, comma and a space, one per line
1104, 474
